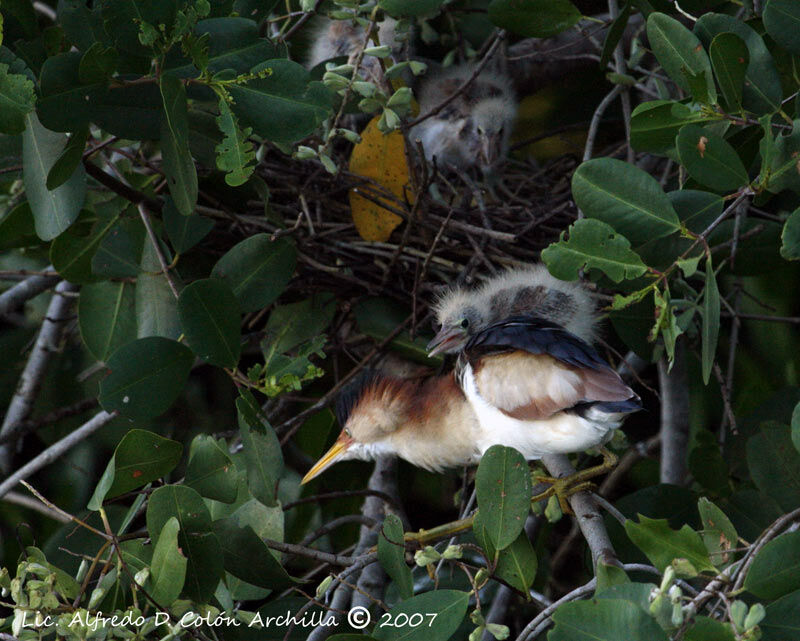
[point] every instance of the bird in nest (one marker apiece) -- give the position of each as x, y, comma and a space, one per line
474, 128
337, 38
523, 381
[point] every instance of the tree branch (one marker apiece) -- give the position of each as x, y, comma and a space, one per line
47, 343
674, 418
15, 296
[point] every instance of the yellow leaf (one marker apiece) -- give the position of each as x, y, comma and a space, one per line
383, 159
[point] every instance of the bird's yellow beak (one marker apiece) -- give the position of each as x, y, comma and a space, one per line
333, 455
448, 338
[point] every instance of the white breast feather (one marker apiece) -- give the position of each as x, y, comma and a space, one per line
560, 434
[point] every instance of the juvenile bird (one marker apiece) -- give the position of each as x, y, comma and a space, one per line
335, 38
474, 129
522, 382
462, 313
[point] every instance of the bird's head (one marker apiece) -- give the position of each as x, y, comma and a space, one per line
487, 130
458, 317
370, 410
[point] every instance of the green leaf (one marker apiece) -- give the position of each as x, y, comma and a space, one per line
718, 534
120, 251
147, 375
140, 458
106, 317
123, 18
706, 629
247, 557
655, 124
210, 470
72, 252
17, 99
709, 159
625, 197
534, 18
663, 545
168, 568
503, 485
790, 236
295, 323
710, 332
783, 169
449, 606
774, 464
776, 568
196, 539
615, 32
184, 232
517, 564
156, 305
53, 211
378, 317
796, 427
762, 91
730, 57
592, 244
262, 451
392, 555
177, 159
257, 270
69, 159
680, 53
97, 64
604, 620
782, 22
400, 8
782, 622
284, 106
210, 318
608, 577
16, 228
235, 154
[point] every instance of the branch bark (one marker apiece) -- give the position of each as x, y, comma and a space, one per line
15, 296
47, 344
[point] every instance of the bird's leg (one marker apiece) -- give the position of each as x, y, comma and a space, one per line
566, 486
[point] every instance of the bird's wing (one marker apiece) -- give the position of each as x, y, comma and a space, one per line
530, 369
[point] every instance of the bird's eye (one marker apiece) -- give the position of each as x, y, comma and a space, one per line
347, 432
465, 323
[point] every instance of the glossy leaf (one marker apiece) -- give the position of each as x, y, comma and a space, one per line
17, 99
790, 237
247, 557
391, 554
663, 545
719, 534
53, 211
69, 159
782, 21
604, 620
534, 18
184, 232
592, 244
146, 377
615, 33
262, 451
210, 470
399, 8
709, 159
282, 106
449, 606
762, 91
257, 270
655, 124
782, 622
775, 571
120, 251
382, 158
503, 486
156, 305
710, 333
517, 564
72, 252
680, 53
729, 57
706, 629
196, 539
177, 159
168, 568
773, 462
210, 318
295, 323
625, 197
140, 458
796, 427
98, 63
106, 317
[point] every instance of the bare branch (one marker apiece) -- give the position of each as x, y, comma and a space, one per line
674, 418
15, 296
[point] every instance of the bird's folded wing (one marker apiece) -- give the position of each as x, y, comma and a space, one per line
532, 387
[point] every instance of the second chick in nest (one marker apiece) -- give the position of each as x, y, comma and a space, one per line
473, 130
